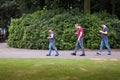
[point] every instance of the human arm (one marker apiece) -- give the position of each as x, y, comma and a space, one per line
81, 33
51, 36
104, 32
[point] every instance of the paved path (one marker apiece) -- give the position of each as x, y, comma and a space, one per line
7, 52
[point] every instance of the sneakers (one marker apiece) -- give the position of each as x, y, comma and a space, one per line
82, 55
50, 55
98, 53
74, 54
109, 54
57, 55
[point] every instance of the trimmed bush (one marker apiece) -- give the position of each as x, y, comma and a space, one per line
31, 30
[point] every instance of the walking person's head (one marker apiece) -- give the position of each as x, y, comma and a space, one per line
77, 25
50, 30
102, 24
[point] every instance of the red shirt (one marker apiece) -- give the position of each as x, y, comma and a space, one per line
79, 31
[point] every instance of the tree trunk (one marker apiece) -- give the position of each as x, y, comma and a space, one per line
87, 6
113, 6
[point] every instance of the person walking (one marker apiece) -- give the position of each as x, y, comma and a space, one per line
52, 43
80, 38
104, 40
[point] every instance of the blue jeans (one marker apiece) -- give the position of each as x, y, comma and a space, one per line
52, 46
104, 41
79, 42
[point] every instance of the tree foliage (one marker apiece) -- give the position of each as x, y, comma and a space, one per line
10, 9
31, 31
14, 8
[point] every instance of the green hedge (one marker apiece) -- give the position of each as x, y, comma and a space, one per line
30, 31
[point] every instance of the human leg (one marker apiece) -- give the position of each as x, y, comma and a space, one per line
107, 45
101, 47
50, 49
54, 47
76, 47
82, 46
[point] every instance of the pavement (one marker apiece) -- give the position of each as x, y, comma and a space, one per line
8, 52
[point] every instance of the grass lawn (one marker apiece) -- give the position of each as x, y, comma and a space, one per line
59, 69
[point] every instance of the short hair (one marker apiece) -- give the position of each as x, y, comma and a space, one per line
50, 29
76, 23
102, 23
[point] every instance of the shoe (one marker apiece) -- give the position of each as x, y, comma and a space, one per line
57, 55
98, 53
82, 55
109, 54
47, 54
73, 54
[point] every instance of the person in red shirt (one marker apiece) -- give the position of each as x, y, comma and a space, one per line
80, 35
